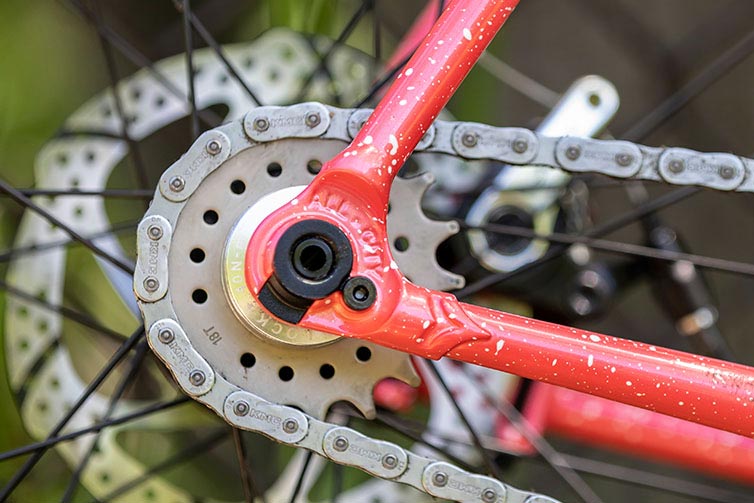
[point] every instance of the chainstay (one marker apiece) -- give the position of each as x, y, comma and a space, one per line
523, 147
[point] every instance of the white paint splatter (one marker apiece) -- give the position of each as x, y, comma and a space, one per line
466, 34
590, 361
629, 383
368, 140
554, 362
393, 141
499, 346
612, 370
595, 338
409, 71
425, 324
402, 102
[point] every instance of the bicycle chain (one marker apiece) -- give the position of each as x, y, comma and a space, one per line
341, 444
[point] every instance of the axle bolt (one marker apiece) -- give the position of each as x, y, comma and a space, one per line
624, 159
489, 496
262, 124
440, 479
520, 146
290, 425
241, 408
676, 166
166, 336
340, 444
389, 461
213, 147
313, 119
573, 153
177, 184
154, 232
151, 284
727, 172
197, 377
469, 140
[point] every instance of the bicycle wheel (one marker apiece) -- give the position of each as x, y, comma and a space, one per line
144, 108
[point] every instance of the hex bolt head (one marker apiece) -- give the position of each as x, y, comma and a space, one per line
197, 377
177, 184
389, 461
676, 166
213, 147
727, 172
469, 140
261, 124
154, 232
290, 425
624, 159
489, 495
573, 152
313, 119
520, 145
440, 479
151, 284
241, 408
340, 444
165, 336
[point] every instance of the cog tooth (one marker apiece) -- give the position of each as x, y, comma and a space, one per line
406, 372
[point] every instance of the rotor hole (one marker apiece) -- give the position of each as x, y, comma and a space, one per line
23, 344
75, 182
327, 371
285, 373
273, 75
248, 62
363, 354
78, 212
159, 102
104, 477
90, 156
150, 495
54, 383
42, 296
42, 406
42, 326
62, 160
197, 255
401, 243
286, 52
274, 169
106, 111
594, 99
22, 312
135, 93
199, 296
237, 187
211, 217
314, 166
248, 360
223, 78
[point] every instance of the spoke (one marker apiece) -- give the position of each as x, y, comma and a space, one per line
543, 447
112, 70
250, 491
189, 46
136, 363
620, 248
302, 476
203, 32
66, 312
518, 81
25, 201
382, 82
93, 385
183, 456
553, 253
110, 193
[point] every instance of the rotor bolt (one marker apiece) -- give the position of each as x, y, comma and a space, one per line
573, 153
177, 184
241, 408
520, 146
389, 461
469, 140
262, 124
290, 425
340, 444
151, 284
727, 172
676, 166
624, 159
197, 377
440, 479
154, 232
213, 147
166, 336
489, 496
313, 119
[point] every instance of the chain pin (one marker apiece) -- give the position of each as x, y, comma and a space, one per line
469, 140
340, 444
313, 119
727, 172
624, 159
573, 153
389, 461
154, 232
290, 425
197, 377
177, 184
213, 147
151, 284
489, 496
676, 166
165, 336
520, 146
262, 124
241, 408
440, 479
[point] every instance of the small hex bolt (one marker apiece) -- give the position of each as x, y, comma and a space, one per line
520, 146
440, 479
177, 184
340, 444
389, 461
213, 147
489, 495
241, 408
313, 119
624, 159
676, 166
262, 124
469, 140
154, 232
165, 336
290, 425
151, 284
197, 377
727, 172
573, 152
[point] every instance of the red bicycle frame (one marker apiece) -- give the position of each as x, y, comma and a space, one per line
351, 192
